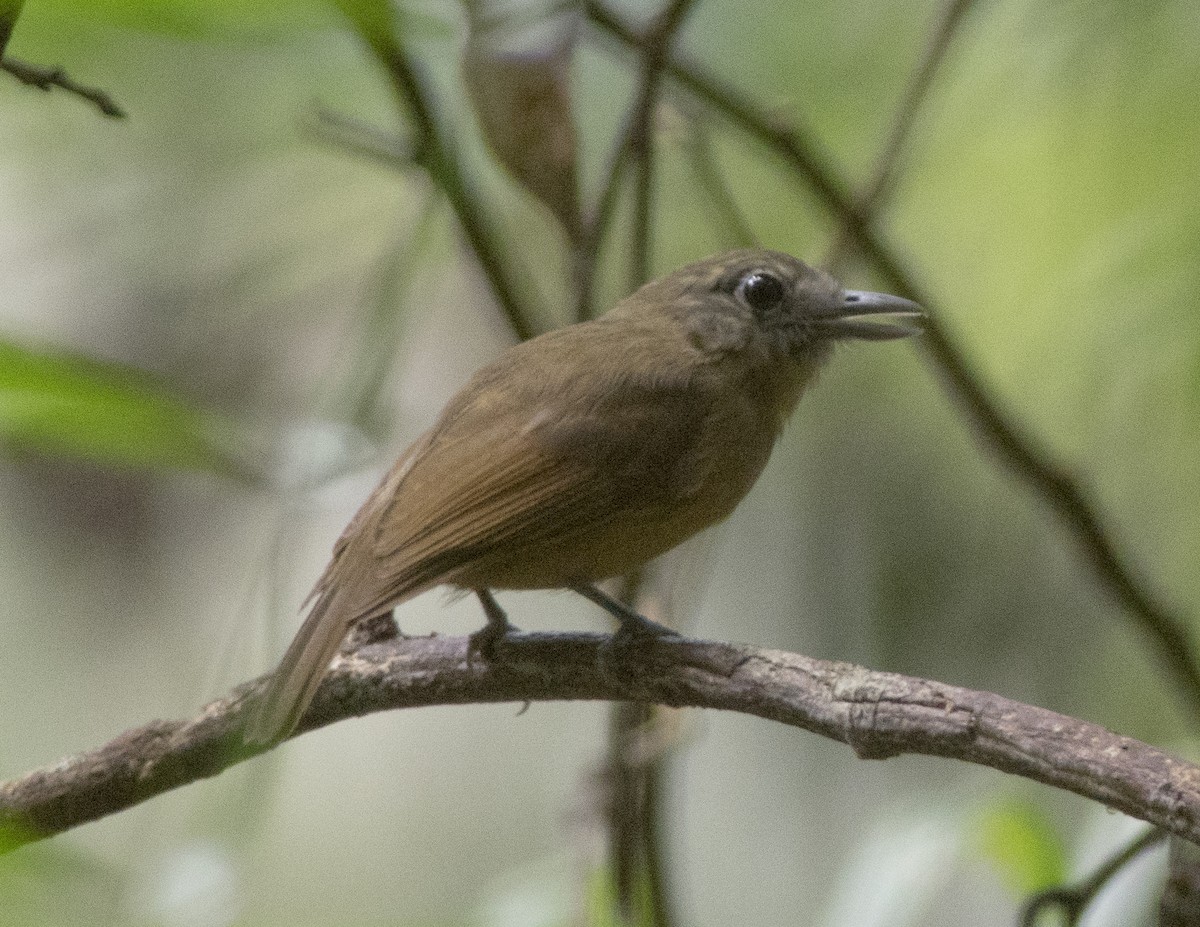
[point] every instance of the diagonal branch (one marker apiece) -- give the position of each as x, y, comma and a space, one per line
878, 714
1074, 900
698, 148
435, 152
1018, 449
47, 78
876, 191
634, 145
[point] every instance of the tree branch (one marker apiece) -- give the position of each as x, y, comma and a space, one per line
1008, 440
1073, 900
48, 78
436, 153
655, 49
878, 714
635, 856
883, 176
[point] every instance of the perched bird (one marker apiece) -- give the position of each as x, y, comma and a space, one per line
587, 451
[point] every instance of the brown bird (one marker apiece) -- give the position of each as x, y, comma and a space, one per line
587, 451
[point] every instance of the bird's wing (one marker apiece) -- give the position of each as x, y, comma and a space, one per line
530, 470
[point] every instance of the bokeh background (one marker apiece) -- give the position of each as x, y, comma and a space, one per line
240, 319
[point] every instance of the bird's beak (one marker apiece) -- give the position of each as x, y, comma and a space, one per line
872, 316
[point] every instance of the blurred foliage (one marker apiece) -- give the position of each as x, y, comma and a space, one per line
60, 403
55, 884
1021, 842
198, 19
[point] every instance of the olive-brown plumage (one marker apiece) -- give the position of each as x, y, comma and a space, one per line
585, 452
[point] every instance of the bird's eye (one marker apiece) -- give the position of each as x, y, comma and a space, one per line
760, 291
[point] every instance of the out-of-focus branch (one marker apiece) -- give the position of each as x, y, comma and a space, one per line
434, 150
655, 51
9, 11
878, 714
635, 793
1180, 902
877, 190
363, 139
997, 427
49, 78
1074, 900
634, 147
703, 162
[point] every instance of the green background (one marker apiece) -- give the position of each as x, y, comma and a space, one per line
217, 327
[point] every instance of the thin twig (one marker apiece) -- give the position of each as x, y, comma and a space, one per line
633, 849
737, 228
876, 191
1179, 905
655, 51
435, 151
632, 146
595, 227
1074, 900
999, 430
48, 78
878, 714
363, 139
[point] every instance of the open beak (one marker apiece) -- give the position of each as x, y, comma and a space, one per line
872, 316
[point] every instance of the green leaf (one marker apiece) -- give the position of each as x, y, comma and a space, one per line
68, 404
1026, 851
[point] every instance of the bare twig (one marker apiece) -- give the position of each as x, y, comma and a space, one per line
879, 187
878, 714
48, 78
1074, 900
363, 139
1180, 902
634, 849
634, 146
595, 227
435, 151
737, 229
655, 50
1008, 440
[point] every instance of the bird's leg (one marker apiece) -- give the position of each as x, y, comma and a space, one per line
632, 623
484, 640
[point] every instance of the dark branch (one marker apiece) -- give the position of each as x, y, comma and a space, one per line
8, 22
878, 714
635, 856
1074, 900
363, 139
634, 146
435, 152
735, 227
655, 51
1016, 448
877, 190
1180, 902
48, 78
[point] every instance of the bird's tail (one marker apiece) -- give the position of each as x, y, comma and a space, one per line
295, 682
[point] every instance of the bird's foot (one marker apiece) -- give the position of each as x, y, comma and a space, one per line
485, 641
